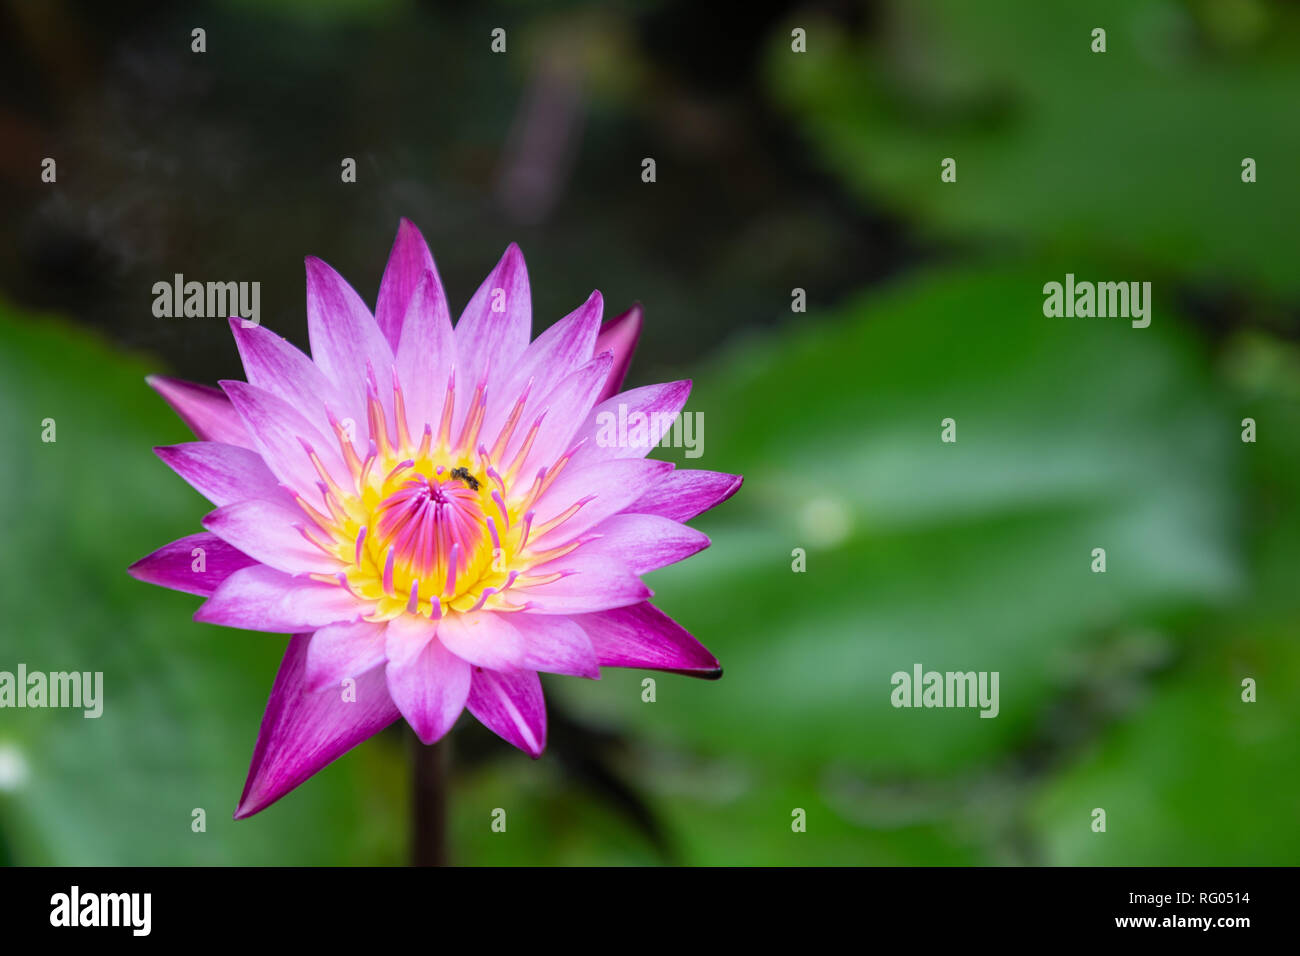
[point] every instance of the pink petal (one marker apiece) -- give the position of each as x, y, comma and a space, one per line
426, 355
406, 637
557, 353
303, 731
345, 340
279, 431
590, 583
561, 411
172, 566
510, 704
409, 261
619, 335
645, 543
268, 531
556, 645
612, 486
484, 638
429, 689
660, 404
338, 651
488, 343
565, 347
686, 493
275, 365
222, 473
641, 635
263, 599
204, 409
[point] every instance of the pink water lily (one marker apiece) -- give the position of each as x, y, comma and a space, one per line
427, 510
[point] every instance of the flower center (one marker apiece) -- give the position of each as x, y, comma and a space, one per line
437, 525
431, 535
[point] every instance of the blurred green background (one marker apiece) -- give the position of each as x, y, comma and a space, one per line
776, 170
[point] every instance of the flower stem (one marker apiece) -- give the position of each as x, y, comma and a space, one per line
429, 802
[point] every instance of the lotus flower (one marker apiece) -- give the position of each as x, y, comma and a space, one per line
428, 512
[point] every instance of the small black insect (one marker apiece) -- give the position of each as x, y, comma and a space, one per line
464, 475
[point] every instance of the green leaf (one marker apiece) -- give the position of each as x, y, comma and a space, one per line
1203, 777
1135, 153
